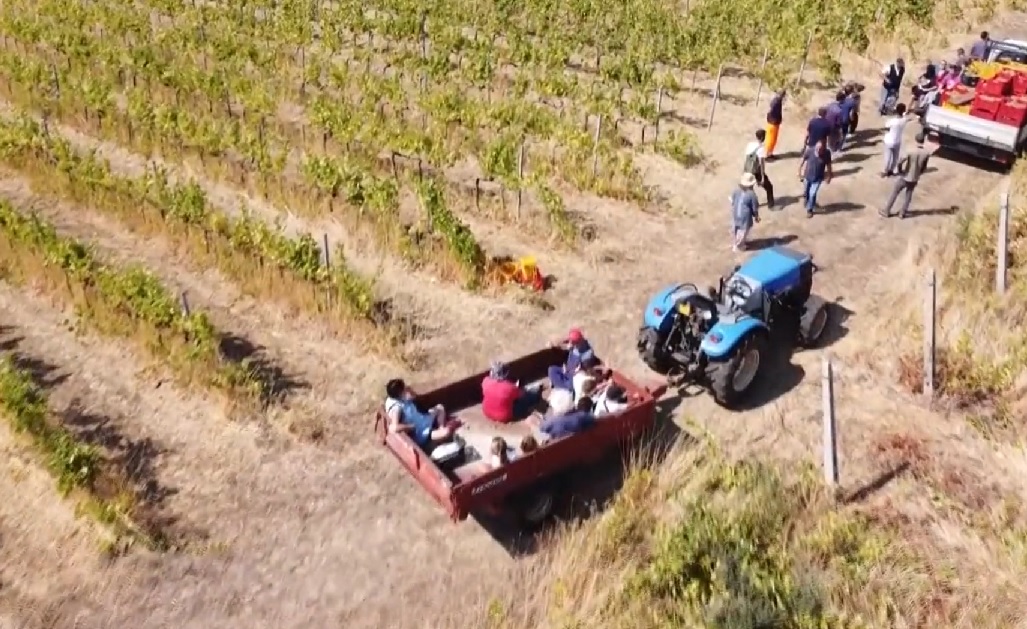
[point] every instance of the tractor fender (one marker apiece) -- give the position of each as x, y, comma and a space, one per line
725, 335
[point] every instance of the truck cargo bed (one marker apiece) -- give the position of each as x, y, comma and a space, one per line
973, 130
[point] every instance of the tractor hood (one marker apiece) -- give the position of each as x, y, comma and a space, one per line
662, 304
775, 269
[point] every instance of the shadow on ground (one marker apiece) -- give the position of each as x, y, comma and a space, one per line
755, 244
589, 490
276, 384
877, 484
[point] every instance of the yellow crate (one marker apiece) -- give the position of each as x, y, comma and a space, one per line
988, 70
963, 109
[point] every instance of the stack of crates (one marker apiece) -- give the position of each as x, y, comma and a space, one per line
1002, 98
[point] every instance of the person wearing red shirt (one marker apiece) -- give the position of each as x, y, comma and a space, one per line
503, 400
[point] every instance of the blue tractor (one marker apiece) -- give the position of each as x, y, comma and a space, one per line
720, 340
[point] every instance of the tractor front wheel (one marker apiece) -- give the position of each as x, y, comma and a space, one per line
731, 379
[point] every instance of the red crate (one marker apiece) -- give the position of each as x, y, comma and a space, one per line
985, 106
1013, 112
1020, 84
986, 103
983, 113
998, 86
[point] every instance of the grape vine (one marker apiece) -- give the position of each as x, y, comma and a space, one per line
126, 302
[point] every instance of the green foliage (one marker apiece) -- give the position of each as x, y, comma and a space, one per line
127, 302
75, 465
728, 563
566, 230
458, 239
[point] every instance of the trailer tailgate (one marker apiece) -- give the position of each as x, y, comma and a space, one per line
972, 129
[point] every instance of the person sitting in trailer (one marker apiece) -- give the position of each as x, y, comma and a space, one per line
426, 429
613, 400
504, 400
578, 348
579, 419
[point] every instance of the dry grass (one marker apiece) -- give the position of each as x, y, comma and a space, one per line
981, 361
707, 541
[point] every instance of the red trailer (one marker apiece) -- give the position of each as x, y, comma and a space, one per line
462, 480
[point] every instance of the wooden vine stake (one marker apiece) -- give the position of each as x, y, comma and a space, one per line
1002, 247
805, 57
930, 329
186, 310
328, 266
716, 97
595, 147
659, 114
520, 178
763, 69
829, 425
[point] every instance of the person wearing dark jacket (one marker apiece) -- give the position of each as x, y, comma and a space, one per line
891, 83
775, 115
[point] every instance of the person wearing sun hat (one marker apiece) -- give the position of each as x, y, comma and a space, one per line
744, 210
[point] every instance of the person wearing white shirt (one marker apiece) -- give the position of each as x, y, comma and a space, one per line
756, 164
560, 401
613, 400
894, 128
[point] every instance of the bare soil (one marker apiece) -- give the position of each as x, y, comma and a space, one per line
296, 533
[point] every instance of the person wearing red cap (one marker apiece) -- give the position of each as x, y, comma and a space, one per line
578, 350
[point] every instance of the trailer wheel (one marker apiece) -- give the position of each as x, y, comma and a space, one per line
536, 508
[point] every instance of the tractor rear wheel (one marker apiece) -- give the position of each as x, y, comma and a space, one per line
732, 378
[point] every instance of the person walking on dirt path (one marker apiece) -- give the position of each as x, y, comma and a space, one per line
835, 116
891, 84
848, 105
775, 116
979, 49
815, 171
894, 128
756, 165
912, 168
853, 102
818, 129
744, 211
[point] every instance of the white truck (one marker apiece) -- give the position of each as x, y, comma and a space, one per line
975, 136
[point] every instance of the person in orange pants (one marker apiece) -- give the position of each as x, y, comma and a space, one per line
774, 118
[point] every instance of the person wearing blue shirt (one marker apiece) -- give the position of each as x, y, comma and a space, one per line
815, 170
578, 350
426, 429
581, 418
818, 129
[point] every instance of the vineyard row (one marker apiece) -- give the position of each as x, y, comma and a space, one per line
127, 302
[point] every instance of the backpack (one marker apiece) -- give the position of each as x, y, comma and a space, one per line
752, 165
